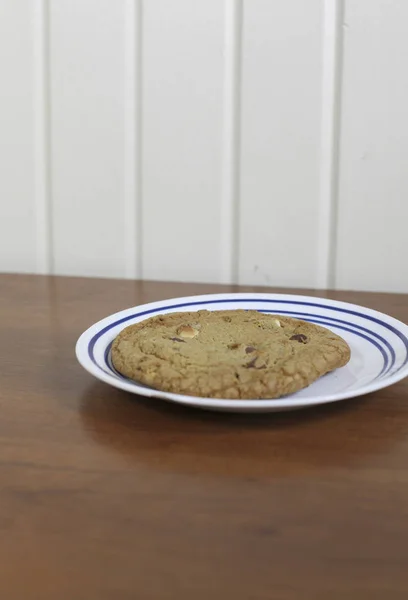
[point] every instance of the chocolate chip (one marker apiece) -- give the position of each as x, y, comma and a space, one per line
233, 346
249, 349
177, 340
299, 337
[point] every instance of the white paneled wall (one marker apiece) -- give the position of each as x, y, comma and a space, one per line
87, 154
373, 185
182, 128
280, 141
17, 137
249, 141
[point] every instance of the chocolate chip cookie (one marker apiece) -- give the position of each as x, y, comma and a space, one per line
227, 354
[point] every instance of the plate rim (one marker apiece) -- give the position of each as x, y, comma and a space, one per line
226, 404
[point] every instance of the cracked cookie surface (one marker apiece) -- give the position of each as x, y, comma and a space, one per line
227, 354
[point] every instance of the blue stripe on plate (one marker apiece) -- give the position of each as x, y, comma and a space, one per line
253, 300
333, 321
318, 321
362, 335
327, 321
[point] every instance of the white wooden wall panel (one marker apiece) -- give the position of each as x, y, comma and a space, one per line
257, 141
17, 143
87, 52
373, 185
280, 141
182, 107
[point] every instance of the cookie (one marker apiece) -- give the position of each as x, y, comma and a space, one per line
227, 354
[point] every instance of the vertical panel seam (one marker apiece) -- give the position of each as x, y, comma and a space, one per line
332, 59
133, 139
42, 138
229, 229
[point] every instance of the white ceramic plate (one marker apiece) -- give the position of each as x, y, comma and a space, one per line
379, 348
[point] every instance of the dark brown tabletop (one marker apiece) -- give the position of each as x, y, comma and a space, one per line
107, 496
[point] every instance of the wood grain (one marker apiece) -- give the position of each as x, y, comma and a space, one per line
105, 496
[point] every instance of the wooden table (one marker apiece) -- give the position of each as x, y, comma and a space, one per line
105, 496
